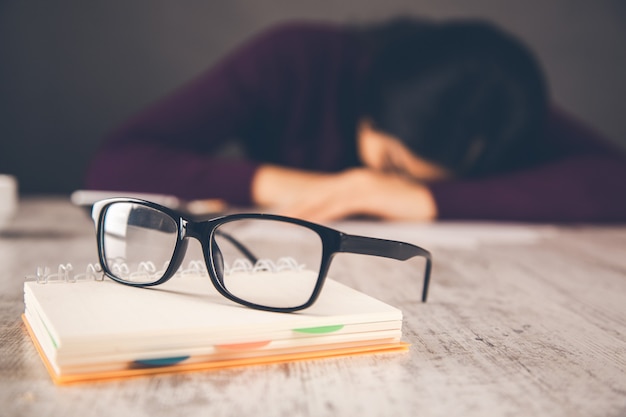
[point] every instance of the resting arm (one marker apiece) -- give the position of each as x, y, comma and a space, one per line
171, 147
577, 189
583, 181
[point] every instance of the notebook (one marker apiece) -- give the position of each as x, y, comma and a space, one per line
92, 329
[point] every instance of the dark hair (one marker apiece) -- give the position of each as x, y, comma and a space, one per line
463, 93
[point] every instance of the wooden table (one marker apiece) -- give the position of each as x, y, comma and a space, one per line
522, 320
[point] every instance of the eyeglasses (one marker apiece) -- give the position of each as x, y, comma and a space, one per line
135, 237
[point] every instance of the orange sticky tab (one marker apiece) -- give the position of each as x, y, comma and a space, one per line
244, 346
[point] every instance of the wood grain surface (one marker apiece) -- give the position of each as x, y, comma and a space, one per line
512, 328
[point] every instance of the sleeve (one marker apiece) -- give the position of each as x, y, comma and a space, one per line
585, 184
170, 147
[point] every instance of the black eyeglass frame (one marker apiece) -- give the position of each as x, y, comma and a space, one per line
333, 242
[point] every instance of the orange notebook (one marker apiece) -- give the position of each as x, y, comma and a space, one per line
92, 330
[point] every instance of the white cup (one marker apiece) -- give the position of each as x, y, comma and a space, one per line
8, 199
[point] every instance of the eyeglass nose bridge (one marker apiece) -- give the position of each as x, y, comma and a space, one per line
196, 230
187, 229
202, 232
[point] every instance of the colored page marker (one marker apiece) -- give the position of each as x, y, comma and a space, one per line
320, 330
149, 363
245, 346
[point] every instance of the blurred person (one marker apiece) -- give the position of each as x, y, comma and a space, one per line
408, 119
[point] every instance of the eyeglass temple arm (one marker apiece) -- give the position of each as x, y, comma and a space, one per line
240, 246
388, 249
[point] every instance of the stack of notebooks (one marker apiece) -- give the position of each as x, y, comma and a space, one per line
92, 330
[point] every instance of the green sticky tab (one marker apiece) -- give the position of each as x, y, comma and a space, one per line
321, 329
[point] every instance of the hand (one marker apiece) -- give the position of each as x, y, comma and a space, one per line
324, 197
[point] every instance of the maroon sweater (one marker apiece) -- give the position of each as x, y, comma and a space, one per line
290, 97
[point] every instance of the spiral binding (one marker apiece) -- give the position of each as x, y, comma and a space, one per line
263, 265
65, 273
93, 271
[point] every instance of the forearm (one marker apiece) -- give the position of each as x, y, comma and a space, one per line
392, 197
276, 186
359, 191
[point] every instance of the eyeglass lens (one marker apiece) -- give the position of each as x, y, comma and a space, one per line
261, 261
267, 262
138, 242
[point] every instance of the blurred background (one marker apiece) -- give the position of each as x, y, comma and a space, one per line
70, 70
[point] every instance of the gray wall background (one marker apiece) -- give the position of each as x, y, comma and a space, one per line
72, 69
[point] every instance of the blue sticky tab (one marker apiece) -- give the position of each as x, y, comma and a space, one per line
153, 363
